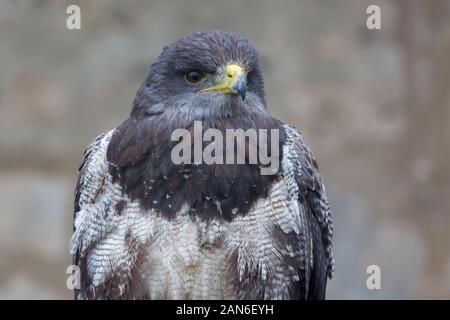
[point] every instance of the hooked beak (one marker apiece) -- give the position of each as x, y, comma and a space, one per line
233, 81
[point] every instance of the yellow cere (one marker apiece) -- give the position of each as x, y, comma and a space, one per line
232, 73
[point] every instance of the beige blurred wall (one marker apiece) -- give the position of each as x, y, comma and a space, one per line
373, 104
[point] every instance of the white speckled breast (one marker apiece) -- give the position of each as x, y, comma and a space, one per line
191, 259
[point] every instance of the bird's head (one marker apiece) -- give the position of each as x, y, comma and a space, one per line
205, 73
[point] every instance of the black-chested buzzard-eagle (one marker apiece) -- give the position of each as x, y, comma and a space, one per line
148, 228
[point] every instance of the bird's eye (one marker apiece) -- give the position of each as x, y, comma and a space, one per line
194, 76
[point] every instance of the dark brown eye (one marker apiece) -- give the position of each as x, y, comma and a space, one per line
194, 76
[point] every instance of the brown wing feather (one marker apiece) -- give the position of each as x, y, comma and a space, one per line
302, 174
108, 232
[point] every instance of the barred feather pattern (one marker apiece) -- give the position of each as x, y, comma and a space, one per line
105, 243
125, 252
305, 182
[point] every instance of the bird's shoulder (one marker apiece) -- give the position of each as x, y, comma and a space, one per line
105, 242
92, 170
301, 173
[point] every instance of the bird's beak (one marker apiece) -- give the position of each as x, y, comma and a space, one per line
233, 81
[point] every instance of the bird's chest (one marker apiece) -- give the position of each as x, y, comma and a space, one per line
191, 258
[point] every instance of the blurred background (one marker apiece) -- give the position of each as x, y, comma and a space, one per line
373, 104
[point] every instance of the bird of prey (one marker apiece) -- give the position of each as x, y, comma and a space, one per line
148, 228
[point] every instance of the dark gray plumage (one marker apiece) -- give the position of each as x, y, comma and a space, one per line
147, 228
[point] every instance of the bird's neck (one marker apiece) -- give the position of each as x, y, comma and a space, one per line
142, 161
